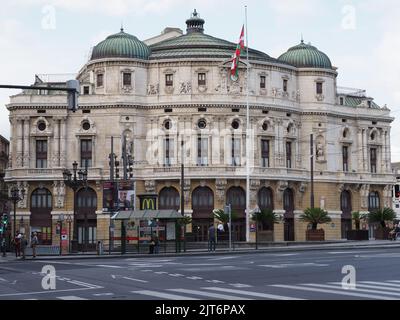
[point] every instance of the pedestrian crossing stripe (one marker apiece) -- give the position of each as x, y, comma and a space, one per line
71, 298
162, 295
210, 294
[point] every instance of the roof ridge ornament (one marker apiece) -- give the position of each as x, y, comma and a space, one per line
195, 23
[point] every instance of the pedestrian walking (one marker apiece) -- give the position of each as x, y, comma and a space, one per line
17, 244
34, 243
156, 243
211, 238
152, 244
24, 244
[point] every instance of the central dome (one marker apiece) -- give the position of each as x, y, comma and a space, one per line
306, 56
121, 45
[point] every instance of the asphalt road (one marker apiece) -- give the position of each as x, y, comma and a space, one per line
315, 275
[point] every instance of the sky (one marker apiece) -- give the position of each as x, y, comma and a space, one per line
361, 37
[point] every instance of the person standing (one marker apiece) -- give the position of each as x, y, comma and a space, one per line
156, 243
34, 243
24, 244
17, 243
211, 238
152, 244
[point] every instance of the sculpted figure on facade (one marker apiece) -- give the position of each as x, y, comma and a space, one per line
186, 87
23, 204
364, 193
59, 193
153, 89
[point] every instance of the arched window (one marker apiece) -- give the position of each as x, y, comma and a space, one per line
86, 198
345, 203
373, 201
236, 197
203, 198
288, 201
169, 199
265, 199
41, 198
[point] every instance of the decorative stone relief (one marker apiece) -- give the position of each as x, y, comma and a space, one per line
298, 96
59, 193
387, 196
23, 204
303, 187
169, 89
220, 185
364, 193
282, 186
186, 87
320, 149
254, 187
153, 89
186, 190
320, 97
19, 159
150, 186
127, 89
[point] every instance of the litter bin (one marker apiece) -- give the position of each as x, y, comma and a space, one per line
100, 248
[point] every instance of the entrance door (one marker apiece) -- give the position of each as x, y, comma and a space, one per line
289, 230
86, 219
346, 207
236, 197
200, 229
202, 218
87, 235
288, 206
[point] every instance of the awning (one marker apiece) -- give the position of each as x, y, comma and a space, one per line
146, 215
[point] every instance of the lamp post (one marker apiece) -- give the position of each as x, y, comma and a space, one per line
16, 196
257, 211
69, 220
75, 180
60, 220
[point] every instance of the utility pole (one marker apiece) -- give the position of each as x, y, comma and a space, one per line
312, 170
182, 192
111, 228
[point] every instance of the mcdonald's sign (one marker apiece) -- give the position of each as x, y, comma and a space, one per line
148, 202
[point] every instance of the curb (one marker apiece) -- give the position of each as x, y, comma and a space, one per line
224, 252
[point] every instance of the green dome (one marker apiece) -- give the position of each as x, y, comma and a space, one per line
121, 45
306, 56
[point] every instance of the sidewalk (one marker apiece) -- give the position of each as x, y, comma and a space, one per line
284, 247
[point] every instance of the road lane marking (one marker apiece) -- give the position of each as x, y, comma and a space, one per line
84, 284
71, 298
215, 281
292, 265
381, 283
157, 294
133, 279
176, 275
146, 270
103, 294
224, 258
240, 285
343, 293
339, 287
380, 286
195, 278
161, 272
209, 294
109, 266
254, 294
42, 292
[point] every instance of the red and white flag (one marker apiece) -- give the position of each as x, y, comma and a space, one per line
236, 56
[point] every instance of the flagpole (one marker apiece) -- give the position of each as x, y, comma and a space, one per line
248, 128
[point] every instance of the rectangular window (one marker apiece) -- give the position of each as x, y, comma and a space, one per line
346, 159
169, 80
341, 101
168, 151
373, 160
86, 153
100, 78
85, 89
265, 153
201, 79
41, 153
285, 85
202, 151
236, 151
288, 155
319, 87
262, 82
127, 79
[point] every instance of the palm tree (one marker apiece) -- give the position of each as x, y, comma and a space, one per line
267, 217
381, 216
315, 216
357, 217
222, 216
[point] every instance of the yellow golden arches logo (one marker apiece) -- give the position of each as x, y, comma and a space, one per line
148, 204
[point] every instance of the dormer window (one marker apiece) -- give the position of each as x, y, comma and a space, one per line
99, 80
319, 87
285, 85
127, 79
169, 80
85, 89
369, 104
262, 82
201, 79
341, 101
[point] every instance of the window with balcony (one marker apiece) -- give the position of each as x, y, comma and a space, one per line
236, 151
288, 155
169, 80
373, 160
127, 79
285, 85
168, 151
265, 153
319, 87
201, 79
345, 155
86, 153
41, 154
202, 151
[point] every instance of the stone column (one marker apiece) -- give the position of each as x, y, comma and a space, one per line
277, 143
26, 142
19, 155
63, 142
56, 144
365, 149
360, 154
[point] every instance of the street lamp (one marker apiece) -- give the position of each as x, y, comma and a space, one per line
257, 212
69, 220
60, 220
75, 180
16, 196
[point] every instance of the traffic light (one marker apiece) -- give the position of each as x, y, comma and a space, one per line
397, 191
116, 169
